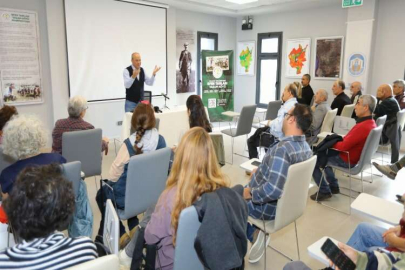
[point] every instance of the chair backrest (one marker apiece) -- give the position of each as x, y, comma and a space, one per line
401, 119
348, 110
146, 179
342, 125
109, 262
312, 101
272, 109
369, 149
185, 256
245, 120
147, 95
355, 99
327, 124
72, 172
157, 123
111, 233
293, 201
381, 120
5, 160
84, 146
218, 142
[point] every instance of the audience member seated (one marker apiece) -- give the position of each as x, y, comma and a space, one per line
355, 89
145, 139
391, 170
319, 110
306, 94
77, 109
194, 172
5, 115
274, 127
388, 105
39, 207
197, 116
23, 138
353, 143
398, 87
267, 182
341, 98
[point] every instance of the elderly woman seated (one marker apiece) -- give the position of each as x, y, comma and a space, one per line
5, 115
77, 110
41, 204
23, 138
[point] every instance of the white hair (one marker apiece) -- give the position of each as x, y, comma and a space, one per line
23, 136
77, 105
324, 93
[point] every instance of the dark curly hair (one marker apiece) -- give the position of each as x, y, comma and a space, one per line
41, 201
5, 114
198, 117
143, 119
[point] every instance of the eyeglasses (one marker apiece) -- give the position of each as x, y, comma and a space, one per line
285, 114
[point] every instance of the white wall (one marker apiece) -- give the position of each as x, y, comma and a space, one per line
322, 22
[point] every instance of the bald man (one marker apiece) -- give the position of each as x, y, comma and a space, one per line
398, 88
134, 82
355, 89
388, 105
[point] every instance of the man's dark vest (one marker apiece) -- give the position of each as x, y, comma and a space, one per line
135, 92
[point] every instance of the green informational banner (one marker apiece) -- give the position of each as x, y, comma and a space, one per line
217, 83
351, 3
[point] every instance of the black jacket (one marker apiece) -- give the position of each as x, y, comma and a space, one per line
221, 241
339, 102
307, 94
322, 149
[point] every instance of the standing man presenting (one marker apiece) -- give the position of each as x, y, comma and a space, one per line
134, 81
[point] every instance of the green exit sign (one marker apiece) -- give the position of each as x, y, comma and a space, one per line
351, 3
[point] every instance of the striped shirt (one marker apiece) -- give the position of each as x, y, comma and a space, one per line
268, 181
54, 252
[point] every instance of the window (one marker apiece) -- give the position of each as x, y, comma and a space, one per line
268, 68
205, 41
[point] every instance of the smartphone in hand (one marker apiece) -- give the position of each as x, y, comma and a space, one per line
337, 256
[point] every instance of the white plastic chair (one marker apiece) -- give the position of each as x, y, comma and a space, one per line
348, 110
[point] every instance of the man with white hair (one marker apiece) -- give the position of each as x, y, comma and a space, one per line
398, 88
319, 110
77, 110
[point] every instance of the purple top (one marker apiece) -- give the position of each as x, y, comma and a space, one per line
160, 229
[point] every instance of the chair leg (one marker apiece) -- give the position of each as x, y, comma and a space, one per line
296, 238
232, 151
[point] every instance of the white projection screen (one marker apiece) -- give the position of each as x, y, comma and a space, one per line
101, 36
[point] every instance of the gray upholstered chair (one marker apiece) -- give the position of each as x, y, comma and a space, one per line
271, 113
292, 203
72, 171
185, 256
244, 125
369, 149
146, 179
84, 146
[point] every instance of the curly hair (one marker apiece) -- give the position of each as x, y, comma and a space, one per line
5, 114
195, 171
23, 136
41, 201
143, 119
197, 117
76, 106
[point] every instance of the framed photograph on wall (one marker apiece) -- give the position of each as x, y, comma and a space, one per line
298, 57
328, 58
246, 58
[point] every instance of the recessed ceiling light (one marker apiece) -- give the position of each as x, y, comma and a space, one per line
241, 2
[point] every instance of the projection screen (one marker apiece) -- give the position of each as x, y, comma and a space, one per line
101, 36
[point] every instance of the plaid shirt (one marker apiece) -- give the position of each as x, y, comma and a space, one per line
66, 125
268, 181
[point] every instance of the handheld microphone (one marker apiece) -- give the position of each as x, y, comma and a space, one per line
165, 95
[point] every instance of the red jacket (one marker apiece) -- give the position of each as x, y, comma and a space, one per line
354, 141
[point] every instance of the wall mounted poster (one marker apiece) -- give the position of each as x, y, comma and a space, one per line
246, 58
20, 64
185, 67
298, 57
217, 83
328, 58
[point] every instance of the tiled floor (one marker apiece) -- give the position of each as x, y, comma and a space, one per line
316, 222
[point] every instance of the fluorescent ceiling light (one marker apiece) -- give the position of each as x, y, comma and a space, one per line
241, 2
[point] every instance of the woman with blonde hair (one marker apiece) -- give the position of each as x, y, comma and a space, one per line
195, 171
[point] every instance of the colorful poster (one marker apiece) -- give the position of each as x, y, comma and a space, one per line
217, 83
185, 67
246, 58
298, 57
20, 64
328, 58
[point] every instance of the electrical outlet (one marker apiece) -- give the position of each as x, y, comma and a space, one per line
119, 123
